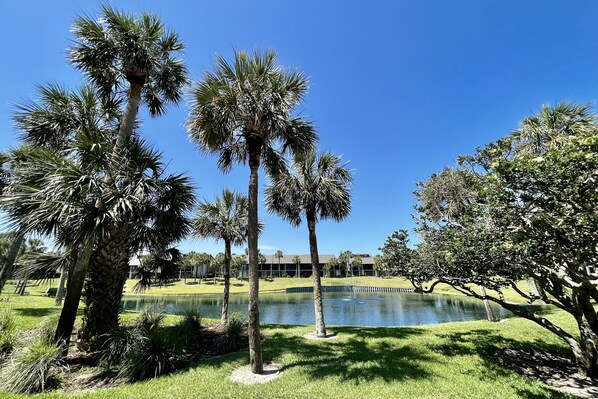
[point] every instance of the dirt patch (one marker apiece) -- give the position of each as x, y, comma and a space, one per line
243, 374
312, 336
556, 371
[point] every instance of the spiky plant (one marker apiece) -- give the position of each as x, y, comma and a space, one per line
29, 369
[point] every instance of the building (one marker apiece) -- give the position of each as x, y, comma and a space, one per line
285, 267
288, 268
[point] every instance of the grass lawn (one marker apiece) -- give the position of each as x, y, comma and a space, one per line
191, 287
439, 361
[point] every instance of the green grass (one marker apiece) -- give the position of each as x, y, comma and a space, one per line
191, 287
439, 361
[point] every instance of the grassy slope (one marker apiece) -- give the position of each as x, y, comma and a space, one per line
440, 361
276, 284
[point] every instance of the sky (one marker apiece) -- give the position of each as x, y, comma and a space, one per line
398, 88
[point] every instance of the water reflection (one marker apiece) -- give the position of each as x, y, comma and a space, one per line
340, 308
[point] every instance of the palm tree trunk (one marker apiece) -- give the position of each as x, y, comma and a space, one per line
60, 290
253, 328
23, 285
227, 260
128, 120
104, 288
74, 289
489, 311
13, 252
315, 266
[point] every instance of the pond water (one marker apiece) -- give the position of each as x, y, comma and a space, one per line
340, 308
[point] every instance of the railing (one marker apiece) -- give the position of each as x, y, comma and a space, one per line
349, 288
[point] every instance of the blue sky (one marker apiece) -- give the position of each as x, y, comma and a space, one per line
399, 88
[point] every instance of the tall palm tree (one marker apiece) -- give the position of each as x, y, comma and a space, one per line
315, 188
137, 55
244, 112
69, 137
297, 263
224, 219
278, 255
120, 51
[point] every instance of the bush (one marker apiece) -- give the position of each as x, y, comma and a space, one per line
149, 320
145, 350
189, 328
234, 333
151, 356
47, 328
113, 347
8, 332
31, 368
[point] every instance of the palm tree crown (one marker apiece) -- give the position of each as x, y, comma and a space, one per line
318, 185
120, 48
247, 107
552, 126
225, 218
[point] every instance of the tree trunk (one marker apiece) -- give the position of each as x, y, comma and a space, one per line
128, 120
535, 290
315, 266
104, 288
13, 252
60, 290
253, 330
227, 260
587, 321
23, 285
74, 287
586, 355
489, 312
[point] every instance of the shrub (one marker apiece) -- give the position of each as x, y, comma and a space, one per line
234, 333
151, 356
47, 327
31, 368
113, 347
149, 320
189, 328
8, 331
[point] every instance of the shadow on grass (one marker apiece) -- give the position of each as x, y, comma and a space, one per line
485, 341
550, 394
487, 344
361, 358
35, 312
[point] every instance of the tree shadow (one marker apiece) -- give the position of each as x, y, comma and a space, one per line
369, 355
35, 312
484, 342
490, 347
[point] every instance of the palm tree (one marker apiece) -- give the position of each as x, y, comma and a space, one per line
241, 112
138, 53
69, 138
224, 219
278, 255
315, 188
121, 51
297, 263
552, 126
